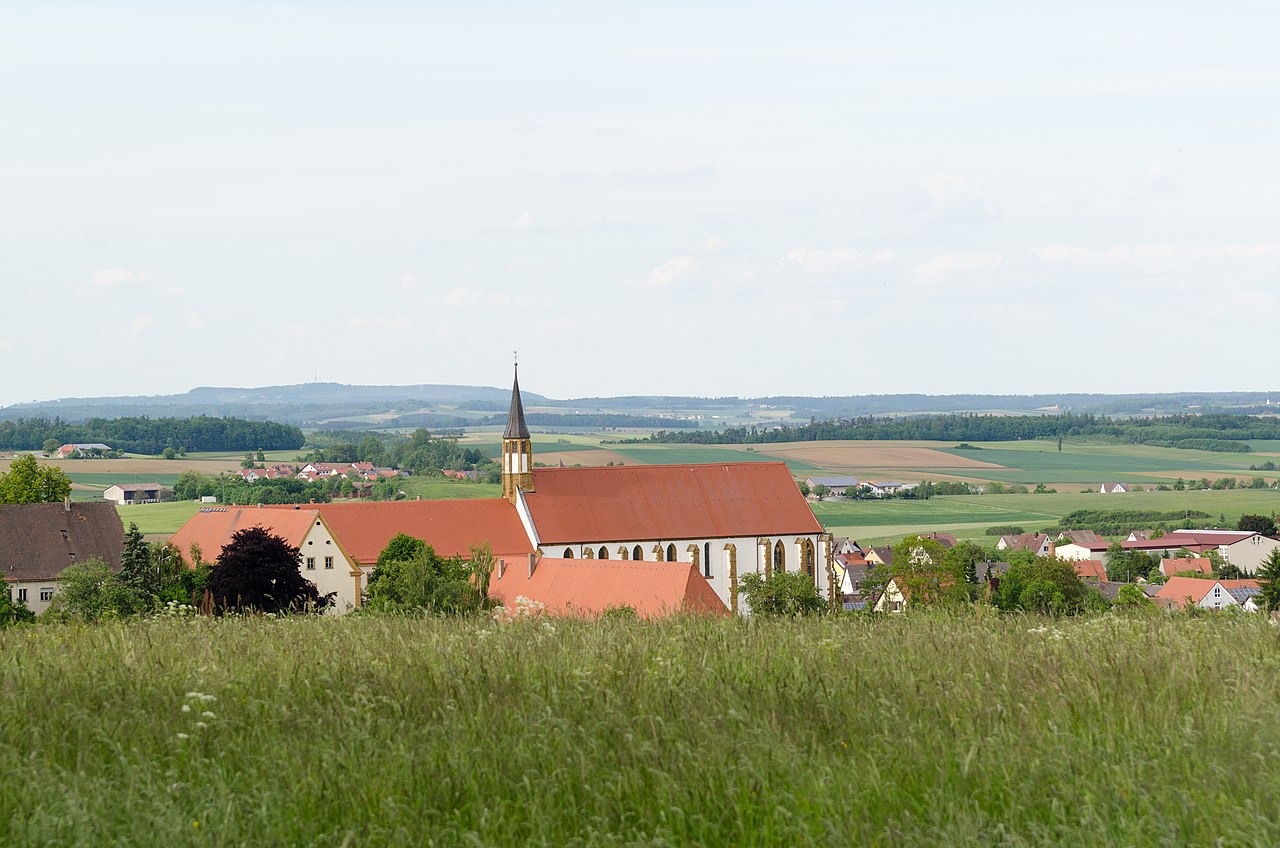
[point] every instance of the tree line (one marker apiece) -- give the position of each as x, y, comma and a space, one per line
152, 435
1218, 432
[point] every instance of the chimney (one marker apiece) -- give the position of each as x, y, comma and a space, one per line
259, 506
1053, 549
533, 563
66, 503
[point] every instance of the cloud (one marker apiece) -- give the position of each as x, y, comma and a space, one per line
382, 322
671, 271
141, 323
111, 277
946, 265
408, 282
174, 291
6, 343
524, 223
952, 198
1160, 260
713, 245
195, 321
668, 171
837, 261
1157, 178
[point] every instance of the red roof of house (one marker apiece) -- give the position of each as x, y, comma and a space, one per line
1178, 589
1090, 569
451, 527
1213, 539
640, 502
211, 527
1170, 542
1171, 567
585, 587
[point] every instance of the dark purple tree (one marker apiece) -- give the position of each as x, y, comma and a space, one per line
260, 572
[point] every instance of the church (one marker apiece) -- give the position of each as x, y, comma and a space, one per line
656, 538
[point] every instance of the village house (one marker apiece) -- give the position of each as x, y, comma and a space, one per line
37, 541
133, 493
1243, 549
1186, 565
1114, 488
321, 556
1181, 592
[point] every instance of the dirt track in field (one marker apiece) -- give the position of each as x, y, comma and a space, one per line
139, 467
868, 455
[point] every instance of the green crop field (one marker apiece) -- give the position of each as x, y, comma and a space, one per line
913, 730
103, 481
159, 518
1099, 463
436, 488
876, 521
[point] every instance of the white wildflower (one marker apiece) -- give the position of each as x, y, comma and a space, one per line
186, 708
183, 736
207, 714
201, 725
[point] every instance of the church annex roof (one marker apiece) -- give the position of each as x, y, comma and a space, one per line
450, 527
212, 527
643, 502
587, 587
516, 428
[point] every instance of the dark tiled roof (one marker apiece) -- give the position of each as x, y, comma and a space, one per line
37, 541
516, 428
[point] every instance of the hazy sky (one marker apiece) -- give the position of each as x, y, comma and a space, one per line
686, 198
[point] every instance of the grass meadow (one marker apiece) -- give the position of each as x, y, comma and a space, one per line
965, 729
158, 518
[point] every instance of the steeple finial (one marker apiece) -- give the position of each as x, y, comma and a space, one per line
516, 428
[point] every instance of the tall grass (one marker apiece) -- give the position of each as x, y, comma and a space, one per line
951, 730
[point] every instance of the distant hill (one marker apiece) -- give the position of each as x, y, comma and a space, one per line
442, 405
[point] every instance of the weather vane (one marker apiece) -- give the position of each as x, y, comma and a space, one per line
515, 355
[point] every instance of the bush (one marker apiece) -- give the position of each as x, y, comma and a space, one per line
782, 594
1005, 530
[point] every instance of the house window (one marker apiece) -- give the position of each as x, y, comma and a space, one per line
807, 559
22, 596
65, 537
568, 553
328, 563
311, 563
637, 553
46, 594
671, 553
1217, 592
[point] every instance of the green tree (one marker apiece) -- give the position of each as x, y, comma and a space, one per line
964, 558
924, 572
1264, 524
91, 591
135, 560
1131, 598
13, 612
1269, 580
785, 594
29, 482
50, 445
169, 453
427, 582
1045, 584
820, 491
258, 571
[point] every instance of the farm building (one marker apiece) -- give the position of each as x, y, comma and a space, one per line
1114, 488
835, 485
85, 449
133, 493
37, 541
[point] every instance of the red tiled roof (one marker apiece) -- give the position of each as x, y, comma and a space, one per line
1213, 539
640, 502
1090, 569
451, 527
211, 527
585, 587
1169, 542
1171, 567
1178, 589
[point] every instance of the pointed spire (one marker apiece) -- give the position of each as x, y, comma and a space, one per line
516, 428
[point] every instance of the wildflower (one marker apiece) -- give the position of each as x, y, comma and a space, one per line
201, 725
186, 708
194, 695
207, 714
183, 736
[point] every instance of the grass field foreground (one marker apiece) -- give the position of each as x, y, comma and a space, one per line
965, 729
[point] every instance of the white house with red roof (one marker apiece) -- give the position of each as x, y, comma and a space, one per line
1243, 549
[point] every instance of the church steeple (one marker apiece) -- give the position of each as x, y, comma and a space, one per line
517, 448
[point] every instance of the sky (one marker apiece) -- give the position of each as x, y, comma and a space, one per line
708, 198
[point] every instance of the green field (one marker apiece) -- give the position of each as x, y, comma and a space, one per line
436, 488
1100, 463
971, 729
103, 481
675, 454
876, 521
158, 518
